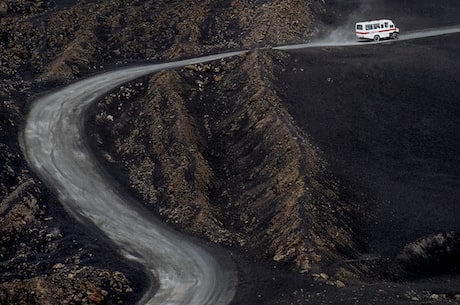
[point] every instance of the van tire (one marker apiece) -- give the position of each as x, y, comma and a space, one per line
376, 37
394, 35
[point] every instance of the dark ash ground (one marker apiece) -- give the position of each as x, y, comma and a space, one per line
386, 119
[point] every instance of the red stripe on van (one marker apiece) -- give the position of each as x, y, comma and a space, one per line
388, 30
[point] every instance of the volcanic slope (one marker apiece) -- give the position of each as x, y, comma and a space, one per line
43, 45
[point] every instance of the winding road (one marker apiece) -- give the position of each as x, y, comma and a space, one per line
53, 143
54, 147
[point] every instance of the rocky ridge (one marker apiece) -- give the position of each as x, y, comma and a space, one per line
235, 170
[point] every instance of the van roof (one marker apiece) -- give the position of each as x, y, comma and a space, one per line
375, 21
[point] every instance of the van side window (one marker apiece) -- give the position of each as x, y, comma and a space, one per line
359, 26
386, 24
368, 27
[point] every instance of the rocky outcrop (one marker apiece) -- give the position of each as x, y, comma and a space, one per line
75, 285
22, 7
432, 254
274, 22
31, 244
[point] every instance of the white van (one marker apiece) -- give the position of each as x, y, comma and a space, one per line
376, 29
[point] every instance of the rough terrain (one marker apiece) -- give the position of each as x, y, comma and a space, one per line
318, 188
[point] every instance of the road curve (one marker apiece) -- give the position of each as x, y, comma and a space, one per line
54, 146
